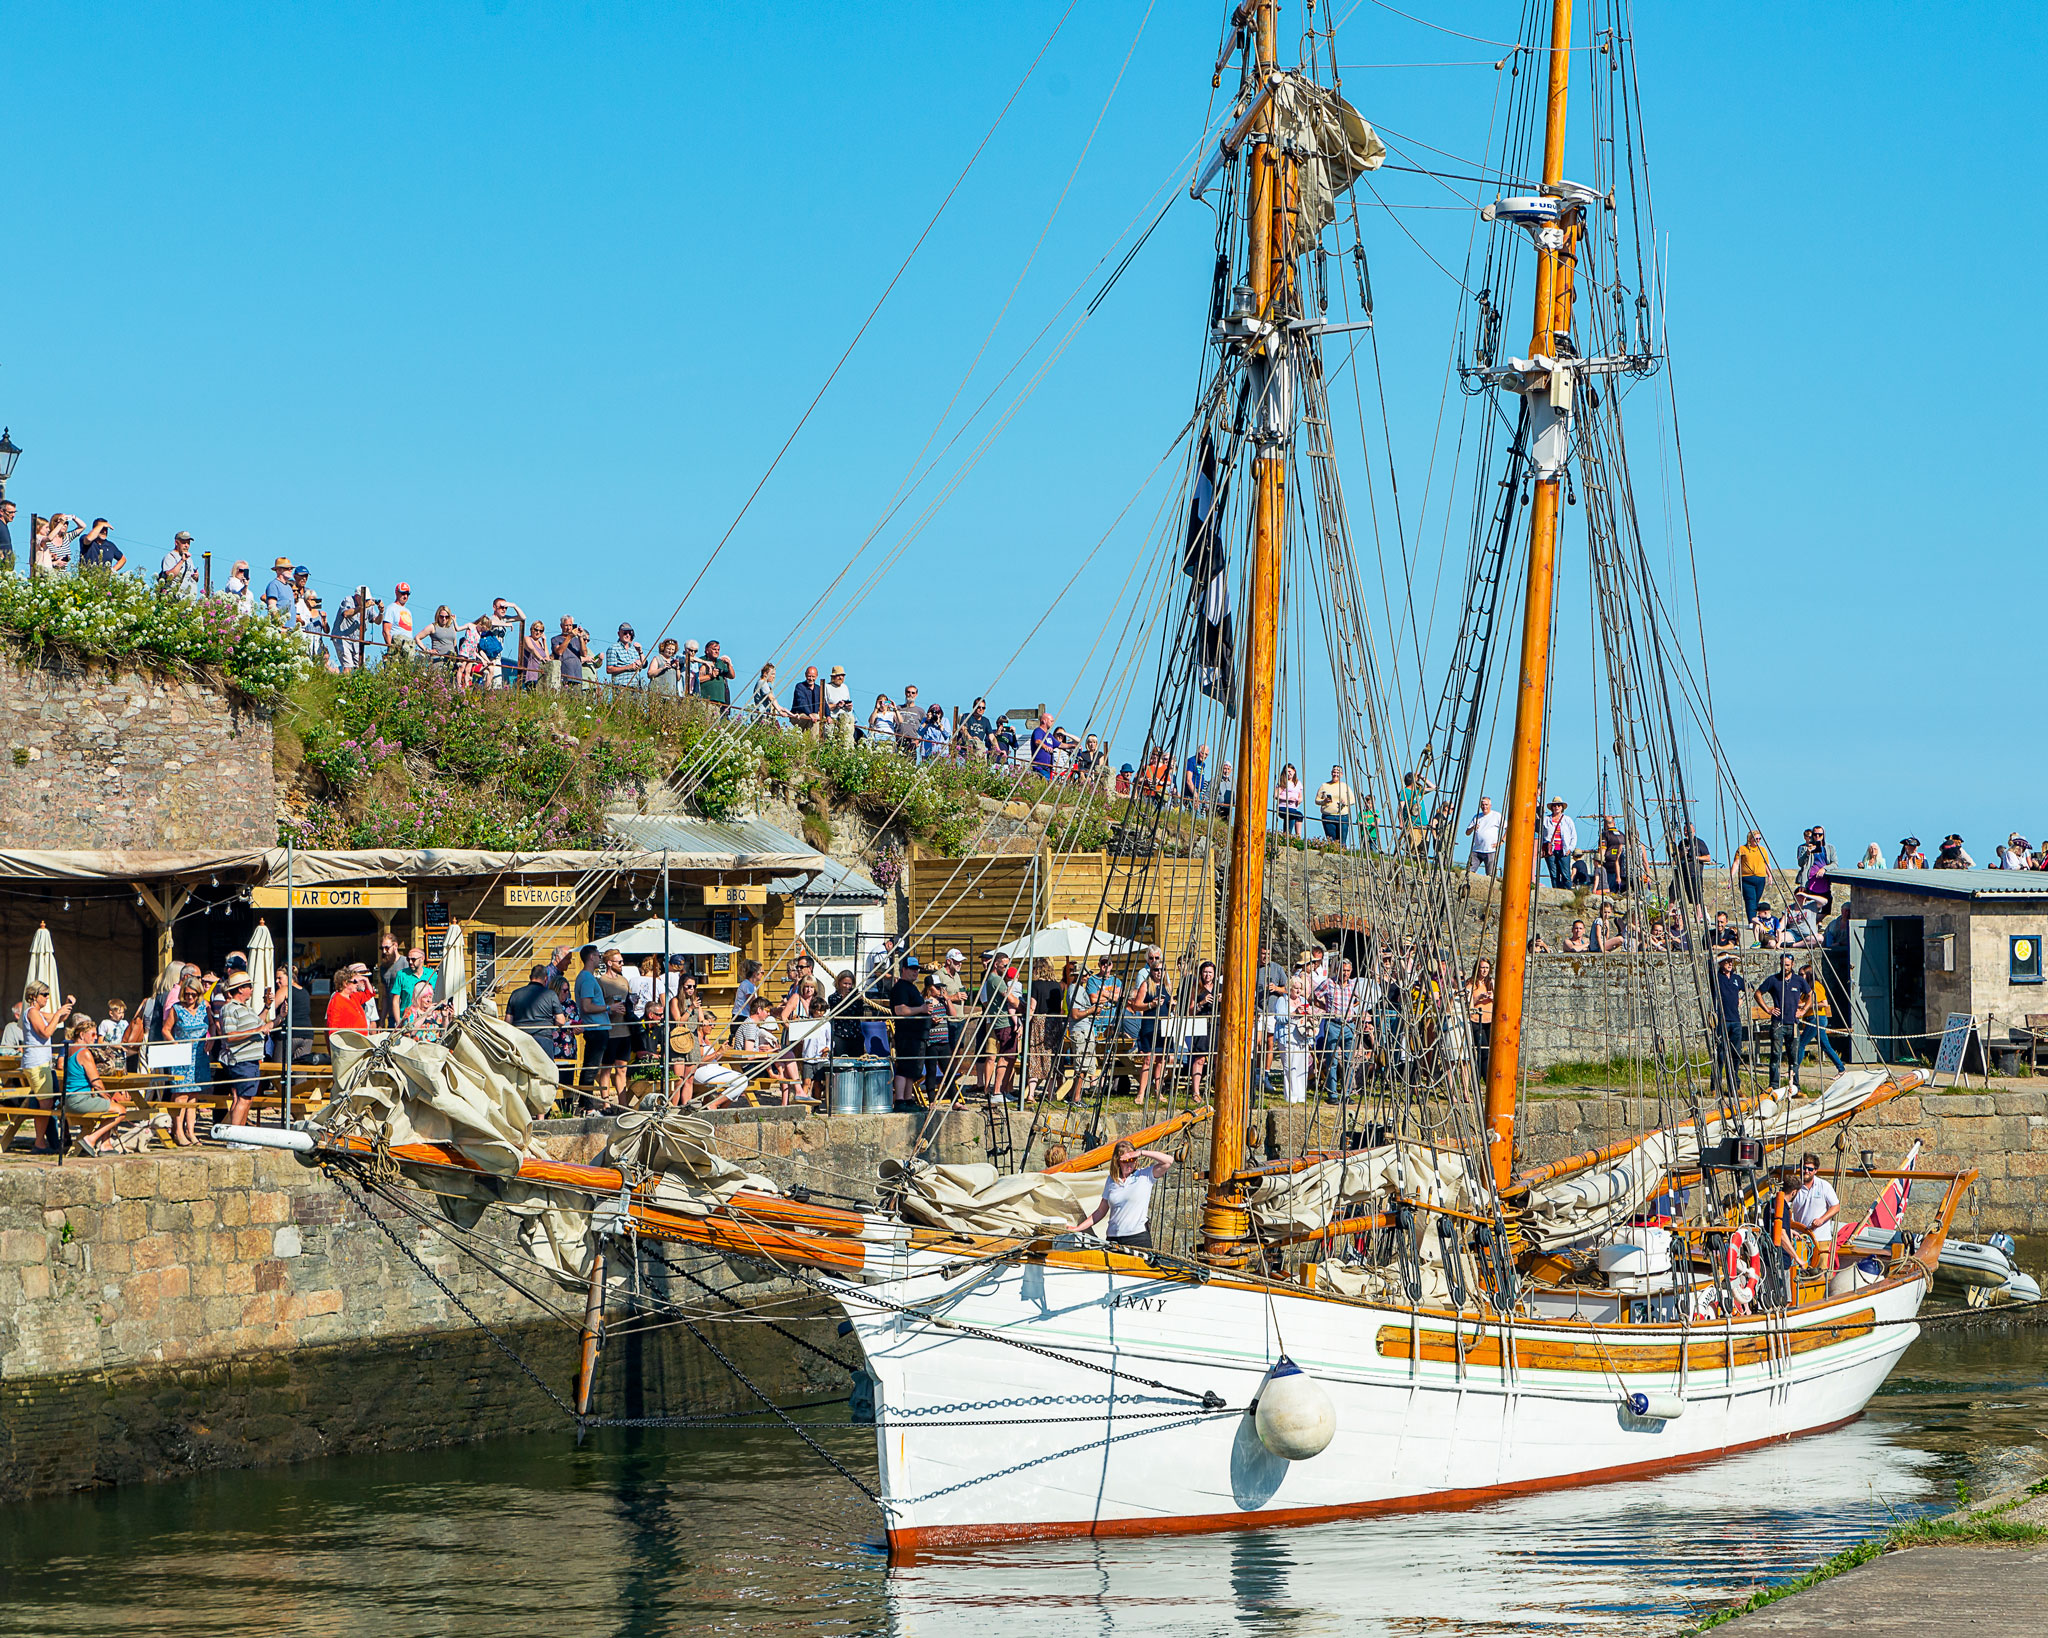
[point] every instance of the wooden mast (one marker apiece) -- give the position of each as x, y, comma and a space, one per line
1555, 263
1225, 1224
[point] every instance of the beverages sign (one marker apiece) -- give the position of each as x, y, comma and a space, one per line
536, 896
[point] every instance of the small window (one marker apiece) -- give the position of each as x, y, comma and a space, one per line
2023, 958
832, 938
1139, 928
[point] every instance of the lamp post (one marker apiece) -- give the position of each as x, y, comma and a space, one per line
10, 452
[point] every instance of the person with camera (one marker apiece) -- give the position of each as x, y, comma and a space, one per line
1816, 858
572, 651
625, 661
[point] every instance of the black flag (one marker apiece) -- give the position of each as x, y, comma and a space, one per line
1203, 560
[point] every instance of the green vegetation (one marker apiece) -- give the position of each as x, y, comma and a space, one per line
398, 757
401, 758
1620, 1070
95, 615
1986, 1529
405, 759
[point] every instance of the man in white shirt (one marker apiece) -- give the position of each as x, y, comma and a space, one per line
1814, 1203
839, 707
176, 570
1485, 833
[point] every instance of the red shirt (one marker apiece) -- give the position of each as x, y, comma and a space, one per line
345, 1011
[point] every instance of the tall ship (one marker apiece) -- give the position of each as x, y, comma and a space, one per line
1400, 1311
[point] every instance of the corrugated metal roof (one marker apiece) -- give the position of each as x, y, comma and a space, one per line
836, 883
1954, 884
737, 844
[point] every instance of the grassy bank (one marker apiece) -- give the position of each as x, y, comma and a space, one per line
1986, 1528
398, 757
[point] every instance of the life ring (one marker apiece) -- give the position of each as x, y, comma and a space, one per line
1744, 1264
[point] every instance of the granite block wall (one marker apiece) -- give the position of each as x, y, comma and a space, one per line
161, 1314
95, 758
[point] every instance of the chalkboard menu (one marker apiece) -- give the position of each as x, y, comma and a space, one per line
434, 918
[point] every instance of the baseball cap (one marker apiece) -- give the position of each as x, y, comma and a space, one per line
302, 569
236, 963
956, 955
183, 534
910, 961
401, 587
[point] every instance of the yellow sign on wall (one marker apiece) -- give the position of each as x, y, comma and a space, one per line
532, 896
330, 898
735, 893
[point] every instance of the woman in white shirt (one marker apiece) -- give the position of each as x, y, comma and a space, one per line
1127, 1196
238, 591
882, 720
1297, 1032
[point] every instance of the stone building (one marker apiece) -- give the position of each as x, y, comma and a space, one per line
1927, 943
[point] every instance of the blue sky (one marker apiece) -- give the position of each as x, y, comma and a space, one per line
511, 298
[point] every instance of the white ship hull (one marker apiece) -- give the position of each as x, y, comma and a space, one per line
982, 1440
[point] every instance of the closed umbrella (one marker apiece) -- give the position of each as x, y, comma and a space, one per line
1066, 941
42, 962
453, 974
262, 962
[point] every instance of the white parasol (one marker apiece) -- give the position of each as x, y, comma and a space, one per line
42, 962
262, 963
1066, 941
645, 938
454, 976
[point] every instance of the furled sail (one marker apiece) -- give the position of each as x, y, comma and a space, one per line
1334, 144
977, 1199
1591, 1202
1303, 1202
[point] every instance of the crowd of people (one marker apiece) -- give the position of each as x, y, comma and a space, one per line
66, 1055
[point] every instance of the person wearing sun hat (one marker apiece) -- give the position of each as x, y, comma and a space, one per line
278, 596
1558, 839
839, 706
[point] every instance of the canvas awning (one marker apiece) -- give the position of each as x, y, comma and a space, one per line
315, 867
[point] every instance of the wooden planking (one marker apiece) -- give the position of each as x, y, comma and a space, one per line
984, 900
1755, 1347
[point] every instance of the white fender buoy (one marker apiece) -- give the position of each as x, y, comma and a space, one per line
1295, 1418
1656, 1407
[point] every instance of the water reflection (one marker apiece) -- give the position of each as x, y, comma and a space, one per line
659, 1533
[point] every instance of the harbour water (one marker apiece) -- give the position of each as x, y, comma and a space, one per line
665, 1533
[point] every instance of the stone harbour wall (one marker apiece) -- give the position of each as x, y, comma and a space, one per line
161, 1315
94, 758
